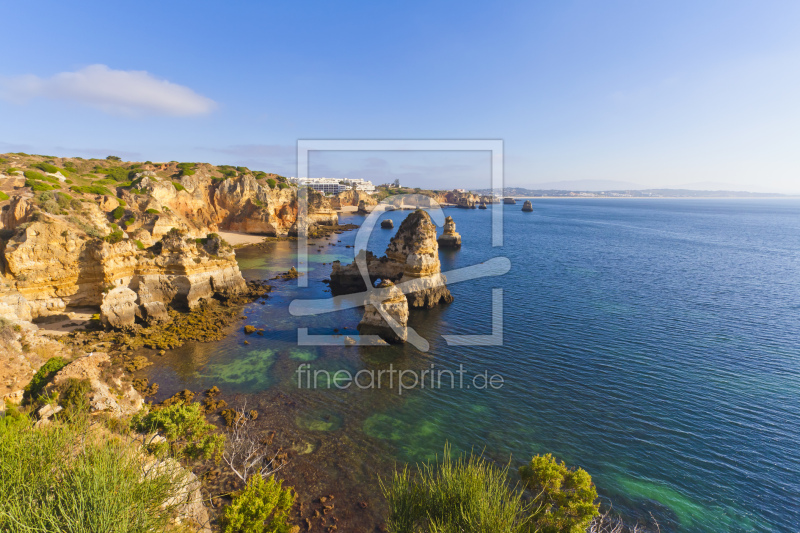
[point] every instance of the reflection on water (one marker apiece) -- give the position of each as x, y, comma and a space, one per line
652, 343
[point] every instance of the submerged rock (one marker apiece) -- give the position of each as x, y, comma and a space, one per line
449, 239
395, 304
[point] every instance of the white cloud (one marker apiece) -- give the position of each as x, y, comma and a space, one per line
124, 92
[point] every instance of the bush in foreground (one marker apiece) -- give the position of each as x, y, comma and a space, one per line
472, 495
566, 495
467, 494
263, 506
186, 429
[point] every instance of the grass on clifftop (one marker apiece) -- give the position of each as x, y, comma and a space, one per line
63, 478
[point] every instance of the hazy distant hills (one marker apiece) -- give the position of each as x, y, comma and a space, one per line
615, 188
521, 192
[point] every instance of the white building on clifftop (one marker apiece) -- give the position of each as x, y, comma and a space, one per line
334, 186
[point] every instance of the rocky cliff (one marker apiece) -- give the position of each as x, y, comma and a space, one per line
352, 198
136, 241
48, 269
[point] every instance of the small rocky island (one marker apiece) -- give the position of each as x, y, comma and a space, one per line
411, 262
527, 206
387, 223
449, 239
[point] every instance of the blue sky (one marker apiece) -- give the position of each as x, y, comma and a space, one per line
656, 94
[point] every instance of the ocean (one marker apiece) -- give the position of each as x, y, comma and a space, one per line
654, 343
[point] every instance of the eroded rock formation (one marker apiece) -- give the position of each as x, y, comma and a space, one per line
411, 261
527, 206
49, 269
449, 238
387, 223
395, 304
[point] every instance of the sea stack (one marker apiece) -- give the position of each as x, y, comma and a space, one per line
450, 239
395, 304
482, 206
387, 223
412, 259
364, 208
527, 206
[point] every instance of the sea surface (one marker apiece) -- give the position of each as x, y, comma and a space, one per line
655, 343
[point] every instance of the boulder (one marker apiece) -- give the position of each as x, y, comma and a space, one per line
395, 304
387, 223
119, 308
527, 206
449, 238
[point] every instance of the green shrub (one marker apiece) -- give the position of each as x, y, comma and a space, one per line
282, 185
566, 496
47, 167
119, 174
186, 169
33, 175
178, 186
73, 395
152, 211
13, 418
466, 494
122, 202
186, 429
139, 244
42, 377
3, 196
263, 506
64, 200
130, 221
91, 189
113, 158
118, 212
114, 237
242, 170
38, 186
272, 183
55, 479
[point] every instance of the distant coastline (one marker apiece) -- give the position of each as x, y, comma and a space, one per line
644, 193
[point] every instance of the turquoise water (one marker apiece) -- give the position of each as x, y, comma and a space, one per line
655, 343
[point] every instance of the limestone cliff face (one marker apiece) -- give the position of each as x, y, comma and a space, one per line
412, 258
48, 268
142, 246
16, 212
205, 205
352, 198
449, 238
